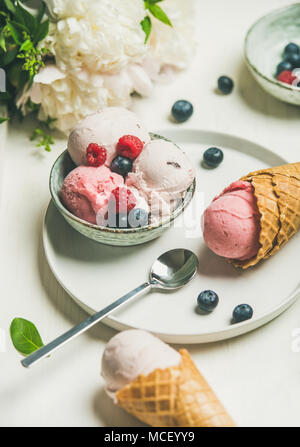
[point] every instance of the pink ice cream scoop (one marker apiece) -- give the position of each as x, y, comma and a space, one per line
231, 223
86, 191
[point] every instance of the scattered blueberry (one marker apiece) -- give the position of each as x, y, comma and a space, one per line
291, 48
121, 165
242, 312
294, 59
208, 300
138, 218
213, 156
225, 84
283, 66
182, 110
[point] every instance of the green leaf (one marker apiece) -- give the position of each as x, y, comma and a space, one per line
25, 336
5, 96
146, 26
14, 33
8, 57
10, 6
26, 46
26, 18
2, 41
19, 26
42, 31
159, 14
2, 119
45, 140
41, 13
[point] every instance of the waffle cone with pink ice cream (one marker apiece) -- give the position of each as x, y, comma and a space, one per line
158, 385
255, 216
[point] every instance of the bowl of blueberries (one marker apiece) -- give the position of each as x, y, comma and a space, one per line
272, 53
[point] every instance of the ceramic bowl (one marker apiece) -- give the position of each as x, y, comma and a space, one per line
264, 46
109, 236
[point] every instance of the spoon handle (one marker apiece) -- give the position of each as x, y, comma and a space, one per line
83, 326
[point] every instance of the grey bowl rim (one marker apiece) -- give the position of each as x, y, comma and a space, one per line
189, 194
252, 66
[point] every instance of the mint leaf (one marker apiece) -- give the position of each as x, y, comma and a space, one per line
25, 336
159, 13
146, 26
2, 119
42, 31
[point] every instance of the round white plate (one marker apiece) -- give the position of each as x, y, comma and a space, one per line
95, 275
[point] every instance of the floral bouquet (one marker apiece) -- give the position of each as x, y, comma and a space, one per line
70, 58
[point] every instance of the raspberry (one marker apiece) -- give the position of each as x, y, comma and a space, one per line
124, 199
287, 77
130, 146
95, 155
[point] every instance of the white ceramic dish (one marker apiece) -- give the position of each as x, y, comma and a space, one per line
95, 274
264, 45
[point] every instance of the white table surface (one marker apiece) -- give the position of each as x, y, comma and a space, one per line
257, 375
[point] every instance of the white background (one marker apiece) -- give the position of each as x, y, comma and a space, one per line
257, 375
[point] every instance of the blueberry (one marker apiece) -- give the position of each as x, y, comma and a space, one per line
242, 312
282, 66
294, 59
121, 165
291, 48
213, 157
182, 110
138, 218
225, 84
208, 300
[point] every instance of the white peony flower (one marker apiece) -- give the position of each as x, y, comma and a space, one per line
101, 57
60, 9
67, 98
104, 37
174, 46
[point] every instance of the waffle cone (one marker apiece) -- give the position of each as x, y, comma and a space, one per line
277, 191
174, 397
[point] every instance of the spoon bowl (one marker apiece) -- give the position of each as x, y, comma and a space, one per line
173, 269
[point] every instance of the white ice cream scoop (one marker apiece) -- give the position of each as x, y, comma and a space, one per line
131, 353
105, 128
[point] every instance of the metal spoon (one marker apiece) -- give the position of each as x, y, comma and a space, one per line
170, 271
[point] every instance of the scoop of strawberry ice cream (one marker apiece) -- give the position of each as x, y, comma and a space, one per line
86, 191
231, 223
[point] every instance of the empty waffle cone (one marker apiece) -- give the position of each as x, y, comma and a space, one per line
277, 191
174, 397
